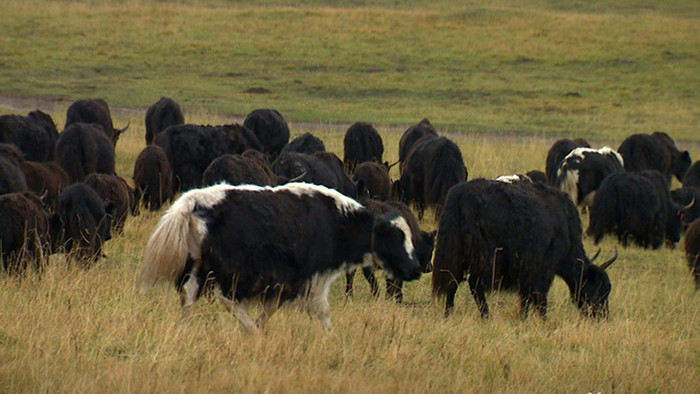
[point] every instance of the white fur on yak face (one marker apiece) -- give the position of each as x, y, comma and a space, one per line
401, 223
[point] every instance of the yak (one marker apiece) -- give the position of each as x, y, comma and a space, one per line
692, 176
24, 232
82, 149
114, 190
373, 177
637, 207
191, 148
434, 165
34, 135
46, 180
515, 236
161, 115
153, 179
271, 129
81, 224
411, 136
657, 151
362, 143
272, 245
94, 111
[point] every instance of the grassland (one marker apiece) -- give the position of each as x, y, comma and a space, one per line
494, 76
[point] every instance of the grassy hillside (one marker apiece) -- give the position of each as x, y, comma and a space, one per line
536, 67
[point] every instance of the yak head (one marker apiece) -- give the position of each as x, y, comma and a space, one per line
594, 289
392, 243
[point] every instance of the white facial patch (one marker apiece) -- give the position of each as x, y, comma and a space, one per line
401, 223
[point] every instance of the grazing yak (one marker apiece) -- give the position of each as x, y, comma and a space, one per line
34, 135
559, 150
362, 143
434, 165
411, 136
423, 243
320, 168
637, 207
272, 245
81, 224
271, 129
373, 177
161, 115
692, 251
46, 180
24, 231
82, 149
153, 179
305, 143
251, 167
12, 179
114, 190
191, 148
515, 236
94, 111
580, 173
658, 152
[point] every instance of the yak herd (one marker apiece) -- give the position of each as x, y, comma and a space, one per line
274, 220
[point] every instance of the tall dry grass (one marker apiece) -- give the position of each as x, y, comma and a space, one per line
75, 330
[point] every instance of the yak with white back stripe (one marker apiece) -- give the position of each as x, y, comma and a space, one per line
581, 172
272, 245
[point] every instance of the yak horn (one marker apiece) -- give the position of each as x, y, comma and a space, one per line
119, 131
692, 202
297, 178
607, 264
391, 165
595, 256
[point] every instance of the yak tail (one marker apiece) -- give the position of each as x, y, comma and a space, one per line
179, 234
448, 256
568, 183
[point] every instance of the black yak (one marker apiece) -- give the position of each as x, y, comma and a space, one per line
161, 115
34, 135
692, 251
362, 143
153, 179
515, 236
658, 152
12, 179
24, 232
320, 168
434, 165
250, 167
94, 111
637, 207
271, 129
373, 177
410, 136
82, 149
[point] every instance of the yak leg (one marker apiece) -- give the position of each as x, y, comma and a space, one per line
476, 287
368, 272
450, 299
393, 289
349, 279
241, 314
317, 301
189, 292
538, 299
